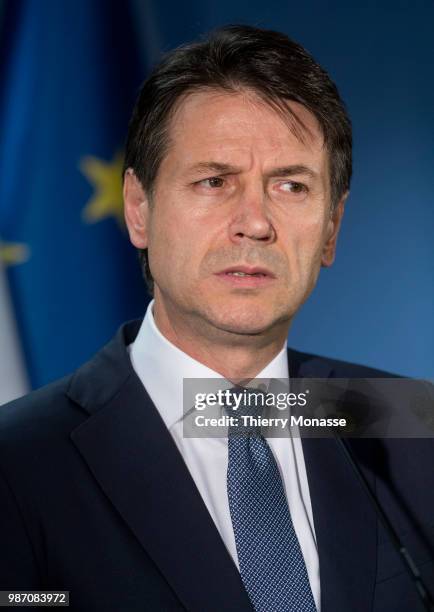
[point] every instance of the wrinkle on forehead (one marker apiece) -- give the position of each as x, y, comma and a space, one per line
290, 112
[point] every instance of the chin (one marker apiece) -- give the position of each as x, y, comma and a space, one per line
247, 321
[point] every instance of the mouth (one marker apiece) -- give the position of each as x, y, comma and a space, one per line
246, 276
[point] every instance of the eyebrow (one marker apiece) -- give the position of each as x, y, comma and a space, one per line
215, 167
292, 170
219, 168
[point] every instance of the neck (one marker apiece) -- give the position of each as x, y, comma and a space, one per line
234, 356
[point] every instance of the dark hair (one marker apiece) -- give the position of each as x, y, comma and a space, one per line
234, 58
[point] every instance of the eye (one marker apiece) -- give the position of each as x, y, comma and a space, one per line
293, 187
214, 182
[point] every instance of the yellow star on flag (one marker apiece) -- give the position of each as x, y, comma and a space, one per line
13, 253
106, 178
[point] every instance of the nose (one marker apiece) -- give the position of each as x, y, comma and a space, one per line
250, 219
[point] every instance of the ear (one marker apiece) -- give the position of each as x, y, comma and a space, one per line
334, 224
136, 209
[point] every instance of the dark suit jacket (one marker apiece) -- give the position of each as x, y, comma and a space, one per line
96, 499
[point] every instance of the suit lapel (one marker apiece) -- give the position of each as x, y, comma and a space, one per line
135, 461
345, 524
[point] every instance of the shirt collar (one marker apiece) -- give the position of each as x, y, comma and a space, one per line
162, 366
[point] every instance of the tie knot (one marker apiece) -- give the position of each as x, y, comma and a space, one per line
245, 407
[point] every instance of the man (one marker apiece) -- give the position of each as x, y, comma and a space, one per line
237, 169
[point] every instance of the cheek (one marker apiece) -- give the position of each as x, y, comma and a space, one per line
161, 246
307, 237
173, 250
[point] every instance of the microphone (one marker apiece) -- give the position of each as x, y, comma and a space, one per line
409, 564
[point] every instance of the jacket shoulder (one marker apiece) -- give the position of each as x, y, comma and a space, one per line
321, 366
40, 413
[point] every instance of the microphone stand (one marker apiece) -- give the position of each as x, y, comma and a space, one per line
409, 564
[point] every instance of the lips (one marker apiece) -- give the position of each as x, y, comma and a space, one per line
246, 271
246, 277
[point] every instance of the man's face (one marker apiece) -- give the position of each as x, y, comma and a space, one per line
240, 221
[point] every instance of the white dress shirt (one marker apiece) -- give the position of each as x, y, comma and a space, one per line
161, 367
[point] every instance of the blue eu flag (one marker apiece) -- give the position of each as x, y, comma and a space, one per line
69, 75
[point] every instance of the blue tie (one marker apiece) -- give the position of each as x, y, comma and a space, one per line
271, 563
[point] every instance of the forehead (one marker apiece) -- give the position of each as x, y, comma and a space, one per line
227, 124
